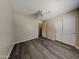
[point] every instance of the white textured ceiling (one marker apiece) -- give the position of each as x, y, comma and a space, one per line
55, 7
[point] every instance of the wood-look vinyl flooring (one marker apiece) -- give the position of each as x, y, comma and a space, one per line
42, 48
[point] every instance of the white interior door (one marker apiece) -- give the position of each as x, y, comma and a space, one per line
69, 29
50, 29
44, 29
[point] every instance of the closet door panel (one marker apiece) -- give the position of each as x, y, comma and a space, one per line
58, 26
77, 30
69, 29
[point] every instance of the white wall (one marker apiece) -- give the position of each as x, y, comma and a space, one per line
6, 36
26, 28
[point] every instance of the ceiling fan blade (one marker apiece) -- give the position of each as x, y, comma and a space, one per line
46, 12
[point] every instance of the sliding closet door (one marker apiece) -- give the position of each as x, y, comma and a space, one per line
59, 31
69, 29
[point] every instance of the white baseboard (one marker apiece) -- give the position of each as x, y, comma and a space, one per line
11, 45
8, 48
76, 47
16, 43
25, 40
3, 57
10, 51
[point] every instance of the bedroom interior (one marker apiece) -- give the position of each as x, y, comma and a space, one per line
39, 29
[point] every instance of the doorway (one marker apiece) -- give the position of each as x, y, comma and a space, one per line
40, 30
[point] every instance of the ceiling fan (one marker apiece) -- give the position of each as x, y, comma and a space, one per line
39, 13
